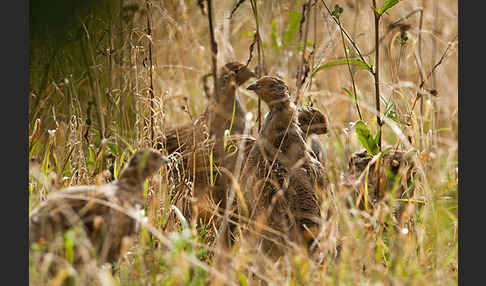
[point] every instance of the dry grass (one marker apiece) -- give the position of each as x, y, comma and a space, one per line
89, 92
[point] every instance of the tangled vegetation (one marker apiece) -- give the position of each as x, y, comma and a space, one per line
108, 78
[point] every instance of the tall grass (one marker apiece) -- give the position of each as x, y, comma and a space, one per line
112, 86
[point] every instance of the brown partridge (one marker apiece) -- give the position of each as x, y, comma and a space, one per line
191, 140
311, 119
183, 138
313, 123
398, 168
194, 142
281, 179
102, 214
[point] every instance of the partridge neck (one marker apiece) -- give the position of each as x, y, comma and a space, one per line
130, 179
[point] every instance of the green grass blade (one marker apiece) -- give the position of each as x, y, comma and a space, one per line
69, 237
355, 62
211, 170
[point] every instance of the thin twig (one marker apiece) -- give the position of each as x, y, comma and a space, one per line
350, 71
438, 63
95, 93
261, 60
214, 50
251, 48
300, 70
88, 121
347, 36
419, 94
314, 44
395, 25
376, 75
236, 7
151, 89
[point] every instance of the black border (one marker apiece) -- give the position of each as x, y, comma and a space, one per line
472, 196
14, 140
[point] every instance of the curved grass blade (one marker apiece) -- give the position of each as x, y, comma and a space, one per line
355, 62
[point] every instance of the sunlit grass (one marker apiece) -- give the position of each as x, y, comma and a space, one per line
356, 247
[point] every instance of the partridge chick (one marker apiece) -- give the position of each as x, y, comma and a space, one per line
311, 119
182, 138
398, 167
100, 212
281, 178
195, 141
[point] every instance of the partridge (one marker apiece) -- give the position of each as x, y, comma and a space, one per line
103, 214
194, 142
183, 138
281, 179
398, 168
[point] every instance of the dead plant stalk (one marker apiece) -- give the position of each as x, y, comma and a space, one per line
376, 75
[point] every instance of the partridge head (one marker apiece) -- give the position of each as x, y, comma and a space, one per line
271, 90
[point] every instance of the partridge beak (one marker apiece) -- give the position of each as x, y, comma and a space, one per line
252, 86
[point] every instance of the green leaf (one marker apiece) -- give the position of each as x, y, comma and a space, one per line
388, 149
371, 61
366, 138
383, 100
293, 27
386, 5
273, 24
246, 34
356, 62
45, 162
275, 37
393, 115
275, 42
